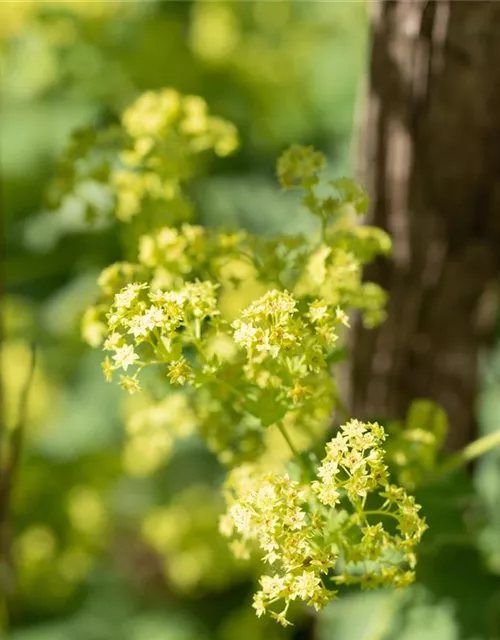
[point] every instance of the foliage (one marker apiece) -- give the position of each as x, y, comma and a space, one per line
96, 552
276, 362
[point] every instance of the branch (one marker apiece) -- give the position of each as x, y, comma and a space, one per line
7, 476
13, 455
474, 450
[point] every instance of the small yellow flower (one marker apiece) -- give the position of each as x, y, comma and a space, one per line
130, 383
125, 357
179, 372
107, 368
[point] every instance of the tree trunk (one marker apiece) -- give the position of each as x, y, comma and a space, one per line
431, 164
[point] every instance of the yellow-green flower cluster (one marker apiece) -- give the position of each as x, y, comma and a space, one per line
111, 280
286, 351
152, 321
300, 167
353, 475
350, 525
270, 327
277, 364
168, 257
333, 269
165, 130
265, 369
157, 114
333, 272
273, 511
139, 169
174, 255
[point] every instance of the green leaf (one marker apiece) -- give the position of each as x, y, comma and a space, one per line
267, 407
411, 614
359, 616
456, 575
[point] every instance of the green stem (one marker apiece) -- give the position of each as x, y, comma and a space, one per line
378, 512
472, 451
296, 454
481, 446
308, 471
8, 470
324, 225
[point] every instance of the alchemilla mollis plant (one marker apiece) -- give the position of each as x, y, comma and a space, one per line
318, 515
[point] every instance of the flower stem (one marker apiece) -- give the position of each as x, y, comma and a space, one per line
473, 450
284, 433
481, 446
379, 512
306, 465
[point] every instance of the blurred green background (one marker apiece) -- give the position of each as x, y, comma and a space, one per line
115, 538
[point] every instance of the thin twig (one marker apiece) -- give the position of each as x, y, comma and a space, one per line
8, 472
284, 433
460, 459
472, 451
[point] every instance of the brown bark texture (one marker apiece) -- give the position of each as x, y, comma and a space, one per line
430, 161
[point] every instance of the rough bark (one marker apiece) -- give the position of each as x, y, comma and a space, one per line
430, 160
